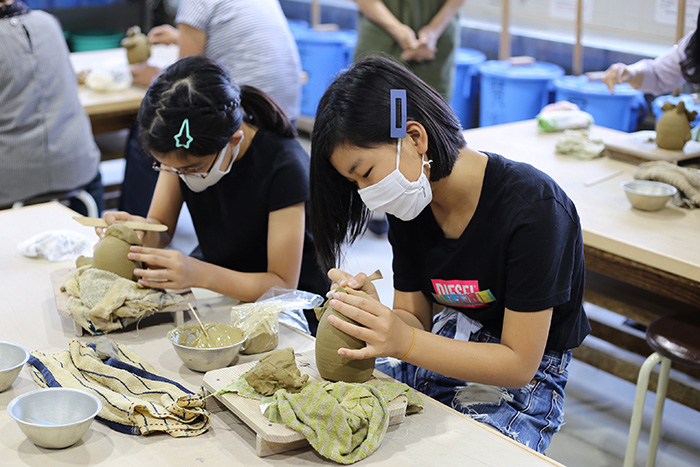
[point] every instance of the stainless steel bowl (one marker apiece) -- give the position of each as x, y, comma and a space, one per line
55, 417
12, 360
205, 359
648, 195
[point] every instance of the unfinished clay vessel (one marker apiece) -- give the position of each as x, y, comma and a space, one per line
137, 45
673, 128
329, 339
110, 253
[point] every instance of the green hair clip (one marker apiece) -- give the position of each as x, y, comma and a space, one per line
184, 134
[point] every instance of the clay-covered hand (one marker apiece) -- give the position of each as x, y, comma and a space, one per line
385, 334
164, 34
619, 73
360, 281
144, 74
167, 269
112, 217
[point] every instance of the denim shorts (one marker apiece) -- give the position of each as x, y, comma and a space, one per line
530, 415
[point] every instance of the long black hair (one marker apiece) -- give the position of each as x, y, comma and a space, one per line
355, 111
200, 90
689, 65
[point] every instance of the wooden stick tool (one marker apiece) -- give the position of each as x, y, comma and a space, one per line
98, 222
199, 321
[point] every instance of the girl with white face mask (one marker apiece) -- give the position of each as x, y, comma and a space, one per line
230, 153
496, 243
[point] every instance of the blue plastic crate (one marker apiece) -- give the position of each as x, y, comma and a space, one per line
511, 93
466, 87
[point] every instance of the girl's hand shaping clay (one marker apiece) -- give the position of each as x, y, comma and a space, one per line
167, 269
384, 333
360, 281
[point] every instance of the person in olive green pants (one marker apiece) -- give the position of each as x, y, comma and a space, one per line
422, 33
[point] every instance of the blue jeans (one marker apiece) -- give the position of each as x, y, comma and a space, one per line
530, 415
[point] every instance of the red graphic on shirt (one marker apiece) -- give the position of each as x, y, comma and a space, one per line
461, 293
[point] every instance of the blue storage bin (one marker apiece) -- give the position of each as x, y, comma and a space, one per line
687, 99
621, 111
38, 4
297, 26
95, 39
466, 86
58, 4
323, 54
513, 93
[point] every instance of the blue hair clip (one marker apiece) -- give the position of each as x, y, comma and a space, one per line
398, 113
184, 134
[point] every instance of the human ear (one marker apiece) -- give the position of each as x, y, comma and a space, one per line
236, 138
417, 134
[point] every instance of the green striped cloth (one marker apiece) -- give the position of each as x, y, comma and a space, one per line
344, 422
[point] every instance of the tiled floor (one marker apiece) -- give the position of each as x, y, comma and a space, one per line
598, 405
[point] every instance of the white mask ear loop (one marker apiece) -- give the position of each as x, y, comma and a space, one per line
398, 152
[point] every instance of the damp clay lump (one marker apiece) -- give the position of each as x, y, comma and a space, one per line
276, 370
218, 335
137, 45
111, 252
329, 339
673, 128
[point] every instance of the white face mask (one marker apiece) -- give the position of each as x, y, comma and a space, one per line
198, 184
396, 195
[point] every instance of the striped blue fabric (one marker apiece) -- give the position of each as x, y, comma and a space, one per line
135, 398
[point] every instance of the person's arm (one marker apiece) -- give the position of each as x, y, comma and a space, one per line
173, 270
657, 76
378, 13
192, 40
431, 32
386, 332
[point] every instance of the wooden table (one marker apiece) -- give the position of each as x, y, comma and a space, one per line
29, 317
110, 111
639, 264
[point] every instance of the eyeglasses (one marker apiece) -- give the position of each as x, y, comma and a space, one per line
178, 172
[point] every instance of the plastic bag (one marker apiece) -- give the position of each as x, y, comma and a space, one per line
260, 319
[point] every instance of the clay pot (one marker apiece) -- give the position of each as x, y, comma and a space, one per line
673, 128
329, 339
110, 253
137, 45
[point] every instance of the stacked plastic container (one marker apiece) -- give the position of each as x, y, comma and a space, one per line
621, 111
510, 93
59, 4
466, 88
323, 54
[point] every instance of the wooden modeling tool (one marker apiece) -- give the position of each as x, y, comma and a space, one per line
200, 322
98, 222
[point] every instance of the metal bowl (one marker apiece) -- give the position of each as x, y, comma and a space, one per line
648, 195
55, 417
12, 359
206, 359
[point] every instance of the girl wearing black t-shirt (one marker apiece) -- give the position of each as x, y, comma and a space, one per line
230, 153
496, 244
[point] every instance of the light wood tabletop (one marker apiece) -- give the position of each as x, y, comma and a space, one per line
665, 239
437, 436
110, 111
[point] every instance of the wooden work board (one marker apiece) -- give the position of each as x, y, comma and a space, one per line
58, 278
640, 146
274, 438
